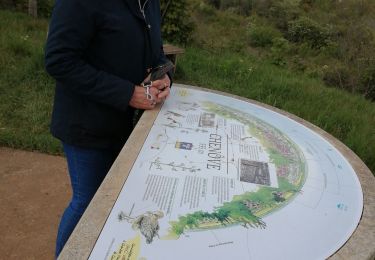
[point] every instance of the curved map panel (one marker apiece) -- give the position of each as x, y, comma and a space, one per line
220, 178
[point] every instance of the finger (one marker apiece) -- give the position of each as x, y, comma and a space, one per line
155, 94
164, 94
141, 105
140, 93
149, 105
140, 101
160, 84
167, 80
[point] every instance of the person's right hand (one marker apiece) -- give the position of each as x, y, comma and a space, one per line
139, 99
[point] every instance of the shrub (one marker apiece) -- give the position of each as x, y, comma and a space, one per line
331, 49
339, 76
177, 27
262, 36
357, 52
241, 7
307, 30
280, 48
306, 5
282, 12
367, 82
206, 9
262, 7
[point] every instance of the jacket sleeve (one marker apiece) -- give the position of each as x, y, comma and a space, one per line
72, 27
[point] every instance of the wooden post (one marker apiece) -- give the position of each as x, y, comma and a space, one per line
33, 8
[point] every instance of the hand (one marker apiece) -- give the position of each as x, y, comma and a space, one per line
139, 99
162, 87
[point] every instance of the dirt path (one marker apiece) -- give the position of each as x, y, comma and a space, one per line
34, 190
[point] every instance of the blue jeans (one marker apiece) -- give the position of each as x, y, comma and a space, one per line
87, 169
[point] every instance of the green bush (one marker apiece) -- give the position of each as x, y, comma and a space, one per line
339, 76
357, 78
282, 12
331, 49
206, 9
177, 26
306, 5
262, 7
262, 36
367, 80
307, 30
280, 47
241, 7
356, 52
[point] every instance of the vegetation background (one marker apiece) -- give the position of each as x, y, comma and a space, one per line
313, 58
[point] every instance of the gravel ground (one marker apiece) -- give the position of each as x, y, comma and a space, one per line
34, 191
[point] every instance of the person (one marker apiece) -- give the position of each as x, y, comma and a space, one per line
99, 53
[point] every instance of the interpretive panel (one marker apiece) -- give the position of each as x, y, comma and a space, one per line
221, 178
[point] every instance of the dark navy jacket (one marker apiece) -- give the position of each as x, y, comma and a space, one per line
98, 51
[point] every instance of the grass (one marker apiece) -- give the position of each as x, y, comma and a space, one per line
350, 118
26, 91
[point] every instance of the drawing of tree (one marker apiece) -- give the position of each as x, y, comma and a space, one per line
222, 215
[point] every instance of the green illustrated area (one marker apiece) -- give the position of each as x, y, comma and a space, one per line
249, 208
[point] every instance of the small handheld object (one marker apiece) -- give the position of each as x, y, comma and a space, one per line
155, 74
159, 71
147, 85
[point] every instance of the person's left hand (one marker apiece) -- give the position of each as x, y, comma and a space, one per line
163, 86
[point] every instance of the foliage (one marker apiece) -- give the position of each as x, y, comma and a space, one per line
262, 36
205, 9
237, 211
368, 81
44, 6
280, 46
338, 48
241, 7
229, 213
282, 12
358, 57
176, 27
305, 29
226, 31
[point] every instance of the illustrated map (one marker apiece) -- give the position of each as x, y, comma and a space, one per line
221, 178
